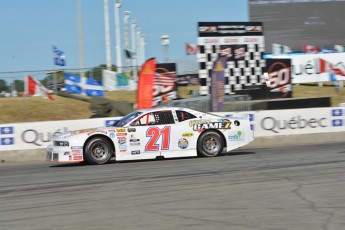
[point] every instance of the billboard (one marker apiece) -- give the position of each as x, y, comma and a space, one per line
164, 88
297, 22
242, 43
316, 67
279, 77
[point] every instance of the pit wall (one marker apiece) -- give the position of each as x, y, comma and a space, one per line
273, 128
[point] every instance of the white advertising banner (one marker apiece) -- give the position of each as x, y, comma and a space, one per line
316, 67
35, 135
265, 123
296, 121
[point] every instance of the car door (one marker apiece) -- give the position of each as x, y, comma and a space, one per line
150, 134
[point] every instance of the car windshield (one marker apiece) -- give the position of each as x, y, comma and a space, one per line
123, 121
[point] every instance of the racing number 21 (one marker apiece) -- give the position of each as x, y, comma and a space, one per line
154, 134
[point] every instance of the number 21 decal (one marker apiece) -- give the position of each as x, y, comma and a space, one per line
154, 134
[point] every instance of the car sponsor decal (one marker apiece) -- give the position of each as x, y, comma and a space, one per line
135, 152
131, 130
76, 147
78, 158
97, 131
206, 124
236, 136
82, 131
121, 141
121, 134
183, 143
188, 134
121, 130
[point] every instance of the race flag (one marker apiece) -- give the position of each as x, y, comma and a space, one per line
191, 49
166, 78
129, 54
85, 86
59, 58
339, 48
217, 84
310, 49
109, 82
327, 50
35, 88
278, 49
145, 84
116, 81
328, 67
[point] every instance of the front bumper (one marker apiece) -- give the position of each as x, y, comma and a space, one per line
64, 154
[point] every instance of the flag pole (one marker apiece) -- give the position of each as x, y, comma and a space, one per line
80, 32
107, 34
118, 37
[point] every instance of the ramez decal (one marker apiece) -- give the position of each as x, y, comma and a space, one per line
205, 124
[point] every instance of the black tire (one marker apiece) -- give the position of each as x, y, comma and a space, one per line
210, 144
98, 151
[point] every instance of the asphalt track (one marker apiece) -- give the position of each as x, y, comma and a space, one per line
277, 188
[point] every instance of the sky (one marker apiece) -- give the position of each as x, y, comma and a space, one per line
29, 29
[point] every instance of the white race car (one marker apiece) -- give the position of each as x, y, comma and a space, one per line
153, 133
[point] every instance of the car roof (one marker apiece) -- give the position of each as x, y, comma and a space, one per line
165, 108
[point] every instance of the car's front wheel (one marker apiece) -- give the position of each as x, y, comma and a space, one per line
210, 144
98, 151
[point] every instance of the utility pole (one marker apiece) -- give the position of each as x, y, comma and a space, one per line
81, 48
107, 35
118, 37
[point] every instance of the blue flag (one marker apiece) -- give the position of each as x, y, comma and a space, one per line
86, 86
332, 77
59, 58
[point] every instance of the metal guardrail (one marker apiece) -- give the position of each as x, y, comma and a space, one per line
202, 103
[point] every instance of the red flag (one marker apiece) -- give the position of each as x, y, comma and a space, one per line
164, 77
311, 49
327, 67
145, 84
191, 49
34, 87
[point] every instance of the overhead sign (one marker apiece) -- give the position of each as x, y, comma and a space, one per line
222, 29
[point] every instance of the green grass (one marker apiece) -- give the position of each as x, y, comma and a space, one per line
29, 109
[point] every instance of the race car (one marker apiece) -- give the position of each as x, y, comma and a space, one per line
166, 132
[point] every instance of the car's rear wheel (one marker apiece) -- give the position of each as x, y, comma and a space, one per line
98, 151
210, 144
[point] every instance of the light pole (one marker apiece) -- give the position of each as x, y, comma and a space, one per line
126, 40
118, 37
81, 47
143, 43
165, 45
134, 58
107, 35
138, 47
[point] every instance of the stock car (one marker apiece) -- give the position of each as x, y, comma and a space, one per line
153, 133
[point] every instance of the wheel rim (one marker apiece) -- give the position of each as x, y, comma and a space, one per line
211, 144
99, 150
